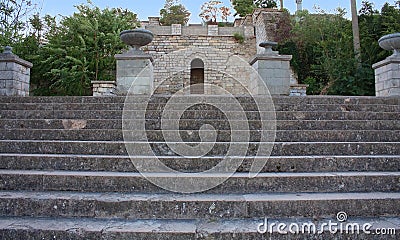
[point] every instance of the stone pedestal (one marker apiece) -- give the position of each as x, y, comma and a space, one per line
274, 69
134, 73
104, 88
14, 74
387, 77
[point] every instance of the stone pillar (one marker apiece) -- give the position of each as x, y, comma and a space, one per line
387, 72
135, 72
274, 69
135, 67
387, 77
15, 74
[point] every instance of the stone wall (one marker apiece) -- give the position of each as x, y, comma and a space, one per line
166, 44
221, 68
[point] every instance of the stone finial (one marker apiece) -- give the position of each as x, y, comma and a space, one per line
7, 50
268, 47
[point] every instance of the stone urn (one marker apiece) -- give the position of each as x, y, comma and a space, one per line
268, 45
137, 38
391, 42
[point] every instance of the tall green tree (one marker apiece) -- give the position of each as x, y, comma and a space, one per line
12, 23
174, 13
81, 49
244, 7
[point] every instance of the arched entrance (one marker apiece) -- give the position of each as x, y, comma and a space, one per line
197, 76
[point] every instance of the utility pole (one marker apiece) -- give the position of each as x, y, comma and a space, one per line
281, 4
356, 30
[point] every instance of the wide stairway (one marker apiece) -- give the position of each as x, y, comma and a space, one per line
65, 171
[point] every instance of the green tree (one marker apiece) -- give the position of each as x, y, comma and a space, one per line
244, 7
174, 13
81, 49
12, 25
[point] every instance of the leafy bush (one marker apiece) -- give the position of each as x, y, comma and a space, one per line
239, 37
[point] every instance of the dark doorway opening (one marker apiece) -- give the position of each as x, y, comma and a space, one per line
197, 77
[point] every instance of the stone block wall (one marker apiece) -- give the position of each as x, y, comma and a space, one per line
103, 88
221, 68
14, 75
387, 77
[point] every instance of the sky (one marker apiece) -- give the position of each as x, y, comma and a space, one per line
151, 8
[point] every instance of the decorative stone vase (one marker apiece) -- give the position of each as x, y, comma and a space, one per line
268, 45
391, 42
137, 38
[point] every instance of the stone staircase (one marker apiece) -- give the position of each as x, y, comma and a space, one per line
65, 172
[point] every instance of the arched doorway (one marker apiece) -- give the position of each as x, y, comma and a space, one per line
197, 76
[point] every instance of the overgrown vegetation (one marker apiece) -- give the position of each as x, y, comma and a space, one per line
322, 49
239, 37
79, 49
244, 7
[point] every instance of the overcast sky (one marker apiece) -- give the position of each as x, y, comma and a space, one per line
146, 8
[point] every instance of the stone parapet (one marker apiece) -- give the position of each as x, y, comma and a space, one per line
104, 88
298, 90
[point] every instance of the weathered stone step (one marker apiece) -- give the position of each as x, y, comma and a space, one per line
224, 106
50, 162
193, 135
196, 206
107, 114
87, 124
185, 99
218, 149
112, 229
240, 183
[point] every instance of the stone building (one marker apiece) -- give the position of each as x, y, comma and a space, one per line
193, 55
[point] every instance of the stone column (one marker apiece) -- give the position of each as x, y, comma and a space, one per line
14, 74
274, 69
135, 67
134, 72
387, 72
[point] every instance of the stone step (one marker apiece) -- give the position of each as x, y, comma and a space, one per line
239, 183
182, 106
185, 99
217, 149
196, 206
88, 124
77, 228
109, 114
50, 162
193, 135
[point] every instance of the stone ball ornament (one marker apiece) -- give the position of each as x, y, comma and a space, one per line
391, 42
137, 38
